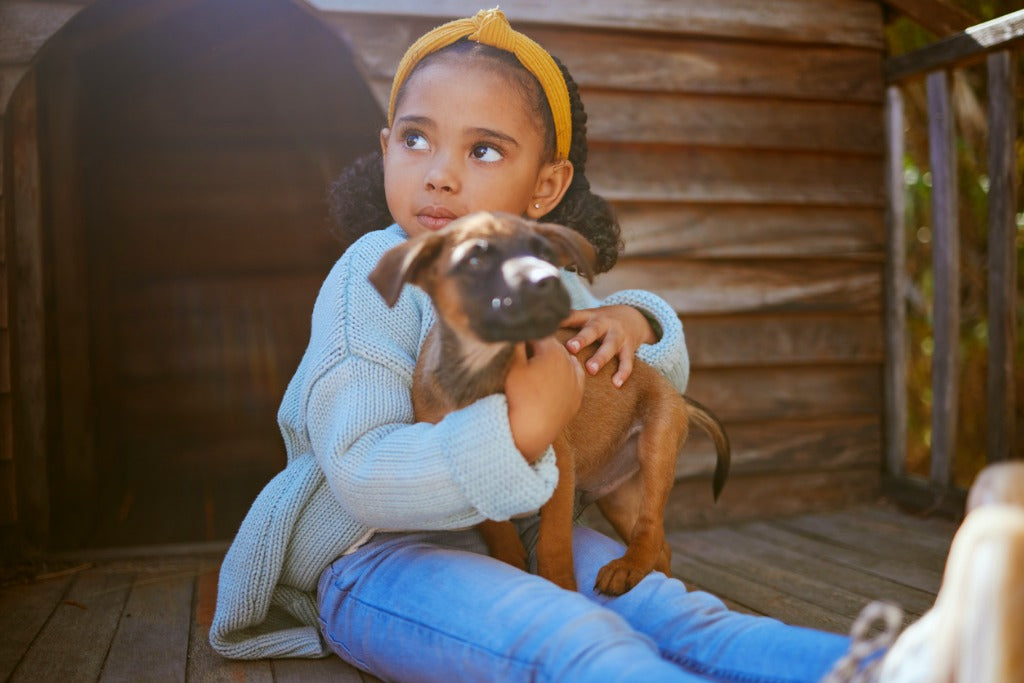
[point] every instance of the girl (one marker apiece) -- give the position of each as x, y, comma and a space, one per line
360, 545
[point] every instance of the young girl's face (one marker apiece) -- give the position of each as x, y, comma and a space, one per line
465, 139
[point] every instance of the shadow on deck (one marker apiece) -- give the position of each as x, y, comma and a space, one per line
125, 618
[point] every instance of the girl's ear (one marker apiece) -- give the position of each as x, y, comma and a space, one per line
385, 133
552, 183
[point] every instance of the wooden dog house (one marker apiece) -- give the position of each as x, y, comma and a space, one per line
164, 235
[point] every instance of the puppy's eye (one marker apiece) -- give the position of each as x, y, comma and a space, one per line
477, 256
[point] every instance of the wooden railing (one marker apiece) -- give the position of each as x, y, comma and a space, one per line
996, 42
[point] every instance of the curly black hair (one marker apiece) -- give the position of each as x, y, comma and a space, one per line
358, 203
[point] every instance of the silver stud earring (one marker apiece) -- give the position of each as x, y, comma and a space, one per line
536, 205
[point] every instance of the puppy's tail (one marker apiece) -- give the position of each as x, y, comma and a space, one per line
707, 421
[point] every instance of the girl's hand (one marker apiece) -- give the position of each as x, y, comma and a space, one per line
544, 392
622, 328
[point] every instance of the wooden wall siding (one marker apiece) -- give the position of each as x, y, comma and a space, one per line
740, 141
840, 22
190, 251
24, 27
747, 170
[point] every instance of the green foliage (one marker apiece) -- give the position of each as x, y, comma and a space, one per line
970, 102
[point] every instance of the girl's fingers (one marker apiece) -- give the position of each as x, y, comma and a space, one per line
610, 347
625, 368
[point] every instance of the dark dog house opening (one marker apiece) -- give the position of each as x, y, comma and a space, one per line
184, 148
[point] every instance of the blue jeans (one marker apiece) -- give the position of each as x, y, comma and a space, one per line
434, 607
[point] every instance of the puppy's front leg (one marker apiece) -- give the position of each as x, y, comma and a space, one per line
554, 539
503, 542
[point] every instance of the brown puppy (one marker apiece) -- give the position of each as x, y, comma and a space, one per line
495, 283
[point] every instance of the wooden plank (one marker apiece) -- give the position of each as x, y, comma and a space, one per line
824, 21
789, 573
28, 320
203, 663
755, 497
318, 671
896, 351
153, 633
911, 574
782, 446
933, 540
74, 642
745, 555
24, 609
749, 394
946, 269
1002, 257
73, 457
776, 285
700, 230
647, 63
25, 26
720, 176
736, 122
960, 49
10, 77
718, 341
851, 534
938, 16
758, 597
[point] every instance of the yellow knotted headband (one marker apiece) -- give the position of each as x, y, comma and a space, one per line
490, 27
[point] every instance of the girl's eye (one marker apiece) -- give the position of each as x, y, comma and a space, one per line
486, 153
415, 141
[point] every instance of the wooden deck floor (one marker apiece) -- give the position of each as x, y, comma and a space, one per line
137, 619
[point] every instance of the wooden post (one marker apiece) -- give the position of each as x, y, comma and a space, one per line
28, 316
895, 290
1002, 255
946, 273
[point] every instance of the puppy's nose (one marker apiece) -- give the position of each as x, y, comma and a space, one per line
530, 272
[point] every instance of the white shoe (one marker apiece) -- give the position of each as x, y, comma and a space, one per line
975, 631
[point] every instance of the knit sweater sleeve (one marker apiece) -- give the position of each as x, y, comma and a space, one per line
385, 470
668, 355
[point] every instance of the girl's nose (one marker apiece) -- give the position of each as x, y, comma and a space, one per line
441, 177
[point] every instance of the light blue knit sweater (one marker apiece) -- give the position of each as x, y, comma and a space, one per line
357, 462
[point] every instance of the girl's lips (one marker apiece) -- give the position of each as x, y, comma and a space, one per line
435, 219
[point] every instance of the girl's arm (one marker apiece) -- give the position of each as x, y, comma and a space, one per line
356, 417
656, 329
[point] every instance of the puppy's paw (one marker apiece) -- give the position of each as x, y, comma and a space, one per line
619, 576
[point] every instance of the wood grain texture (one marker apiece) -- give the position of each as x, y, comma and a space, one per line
960, 49
699, 230
733, 122
718, 176
749, 394
652, 64
746, 498
826, 21
1002, 257
778, 339
25, 26
780, 446
74, 642
896, 340
942, 155
702, 287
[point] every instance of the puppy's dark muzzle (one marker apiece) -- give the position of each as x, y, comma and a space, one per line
531, 306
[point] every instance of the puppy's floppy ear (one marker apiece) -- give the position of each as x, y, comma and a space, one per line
574, 250
406, 262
